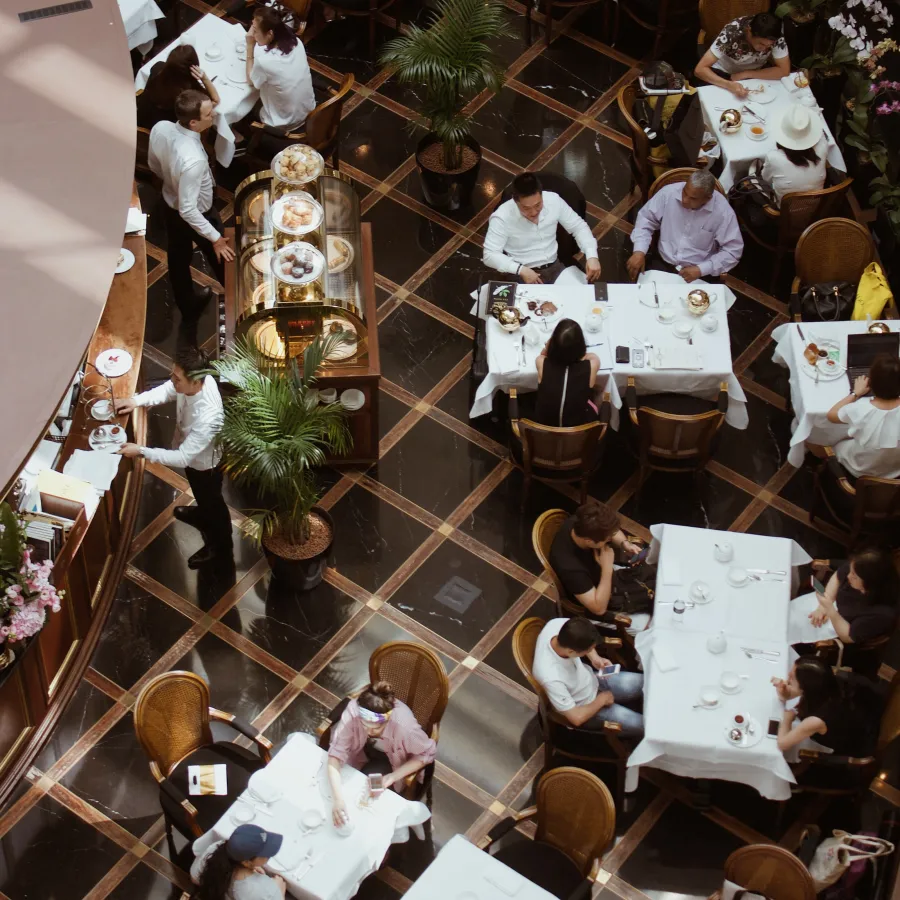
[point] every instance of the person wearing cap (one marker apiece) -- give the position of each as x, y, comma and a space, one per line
377, 734
233, 869
798, 161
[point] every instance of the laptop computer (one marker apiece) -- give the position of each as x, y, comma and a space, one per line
863, 348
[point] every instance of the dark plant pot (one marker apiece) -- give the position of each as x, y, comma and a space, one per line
444, 191
301, 574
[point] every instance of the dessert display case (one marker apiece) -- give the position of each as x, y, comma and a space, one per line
304, 269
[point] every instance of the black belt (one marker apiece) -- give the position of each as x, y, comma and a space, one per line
541, 268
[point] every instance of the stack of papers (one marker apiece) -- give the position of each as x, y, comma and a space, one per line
93, 466
676, 356
136, 221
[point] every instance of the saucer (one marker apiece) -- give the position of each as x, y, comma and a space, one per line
708, 689
311, 819
113, 363
127, 261
665, 321
745, 740
734, 690
213, 52
734, 577
683, 330
242, 814
757, 137
102, 438
700, 592
352, 399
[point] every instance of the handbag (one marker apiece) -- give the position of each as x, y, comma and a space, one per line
752, 187
830, 301
872, 295
835, 855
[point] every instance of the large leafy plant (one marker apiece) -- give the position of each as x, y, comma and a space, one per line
455, 60
275, 433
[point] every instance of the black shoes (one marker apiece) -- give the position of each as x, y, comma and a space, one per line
206, 554
190, 515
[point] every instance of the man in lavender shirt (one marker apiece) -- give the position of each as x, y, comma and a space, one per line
699, 235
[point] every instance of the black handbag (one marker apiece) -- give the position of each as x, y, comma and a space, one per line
830, 301
753, 188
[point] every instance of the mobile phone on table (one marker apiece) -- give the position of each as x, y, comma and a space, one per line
639, 557
623, 354
816, 584
376, 785
774, 725
637, 359
609, 670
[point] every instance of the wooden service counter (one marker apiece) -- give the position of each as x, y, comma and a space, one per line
37, 686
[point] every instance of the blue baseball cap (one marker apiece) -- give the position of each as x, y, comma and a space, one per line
250, 841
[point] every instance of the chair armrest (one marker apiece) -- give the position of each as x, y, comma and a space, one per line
794, 302
838, 472
722, 400
272, 130
773, 212
504, 826
631, 401
513, 409
605, 410
612, 643
190, 811
244, 728
832, 759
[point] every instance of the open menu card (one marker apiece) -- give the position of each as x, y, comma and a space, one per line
210, 779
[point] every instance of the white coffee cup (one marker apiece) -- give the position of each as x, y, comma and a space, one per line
709, 696
709, 323
724, 552
327, 395
730, 681
594, 322
666, 316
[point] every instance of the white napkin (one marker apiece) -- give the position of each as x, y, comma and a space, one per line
96, 467
673, 572
729, 889
800, 629
676, 356
135, 221
665, 658
263, 788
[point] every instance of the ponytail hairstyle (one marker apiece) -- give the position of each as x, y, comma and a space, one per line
267, 20
216, 875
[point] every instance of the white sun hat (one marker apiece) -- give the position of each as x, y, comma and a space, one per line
798, 128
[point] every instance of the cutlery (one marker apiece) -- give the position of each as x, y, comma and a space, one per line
800, 332
754, 577
523, 351
254, 807
768, 571
655, 295
691, 341
757, 656
763, 652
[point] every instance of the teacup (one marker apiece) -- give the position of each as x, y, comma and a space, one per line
738, 576
709, 323
730, 682
114, 431
724, 552
594, 321
757, 132
311, 819
666, 316
327, 395
741, 723
709, 697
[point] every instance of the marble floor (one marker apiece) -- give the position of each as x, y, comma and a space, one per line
444, 498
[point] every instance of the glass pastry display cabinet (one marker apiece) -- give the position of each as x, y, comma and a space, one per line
304, 268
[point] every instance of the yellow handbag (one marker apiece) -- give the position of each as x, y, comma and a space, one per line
872, 295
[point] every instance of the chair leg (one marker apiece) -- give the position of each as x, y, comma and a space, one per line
170, 839
371, 35
526, 488
528, 24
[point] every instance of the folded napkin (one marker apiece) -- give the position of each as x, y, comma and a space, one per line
673, 572
262, 788
665, 658
676, 356
93, 466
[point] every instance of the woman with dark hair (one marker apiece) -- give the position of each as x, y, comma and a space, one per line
566, 377
180, 71
233, 869
874, 420
278, 69
748, 47
378, 734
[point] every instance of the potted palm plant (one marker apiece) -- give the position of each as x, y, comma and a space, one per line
454, 60
274, 435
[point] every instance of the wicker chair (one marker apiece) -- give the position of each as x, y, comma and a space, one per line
543, 532
866, 505
771, 871
677, 176
576, 822
642, 161
796, 213
547, 7
830, 250
557, 454
419, 680
716, 14
667, 18
171, 720
322, 130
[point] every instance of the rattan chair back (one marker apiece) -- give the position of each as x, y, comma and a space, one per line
524, 640
171, 718
563, 450
677, 176
833, 250
418, 678
799, 210
542, 534
674, 441
716, 14
323, 122
576, 814
771, 871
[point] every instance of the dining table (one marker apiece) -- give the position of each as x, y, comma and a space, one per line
631, 316
731, 639
139, 18
221, 48
739, 149
291, 796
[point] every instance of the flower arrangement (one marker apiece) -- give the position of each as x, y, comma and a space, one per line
26, 591
857, 34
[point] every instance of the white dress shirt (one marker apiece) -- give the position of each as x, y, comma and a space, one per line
873, 447
513, 241
198, 421
284, 84
786, 178
177, 156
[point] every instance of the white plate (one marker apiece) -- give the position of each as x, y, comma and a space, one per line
352, 399
765, 95
825, 373
113, 363
242, 814
101, 439
683, 331
715, 690
237, 73
311, 819
334, 241
127, 261
697, 597
734, 582
97, 408
747, 740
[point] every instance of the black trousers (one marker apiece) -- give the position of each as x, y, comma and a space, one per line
215, 523
182, 239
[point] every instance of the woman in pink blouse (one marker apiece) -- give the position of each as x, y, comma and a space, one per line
377, 734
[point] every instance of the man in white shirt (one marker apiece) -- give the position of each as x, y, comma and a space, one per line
176, 155
574, 689
199, 418
521, 236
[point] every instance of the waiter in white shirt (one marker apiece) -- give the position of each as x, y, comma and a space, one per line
177, 156
521, 236
199, 418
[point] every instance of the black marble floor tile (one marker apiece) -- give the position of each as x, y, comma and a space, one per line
613, 248
746, 320
756, 266
164, 330
778, 524
517, 127
501, 657
377, 140
156, 495
680, 499
630, 38
139, 630
611, 116
598, 165
770, 374
800, 489
81, 855
618, 463
417, 350
144, 883
344, 45
572, 73
486, 735
682, 856
500, 523
515, 40
449, 567
457, 402
374, 538
293, 625
434, 467
390, 412
87, 705
304, 714
403, 241
451, 286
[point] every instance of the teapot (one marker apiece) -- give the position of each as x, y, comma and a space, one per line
717, 643
697, 302
730, 121
509, 318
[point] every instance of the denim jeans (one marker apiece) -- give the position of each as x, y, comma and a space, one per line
628, 691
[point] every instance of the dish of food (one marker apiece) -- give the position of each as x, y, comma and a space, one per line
760, 92
237, 73
256, 209
296, 213
262, 261
268, 340
543, 310
298, 163
125, 261
107, 438
346, 348
340, 254
298, 263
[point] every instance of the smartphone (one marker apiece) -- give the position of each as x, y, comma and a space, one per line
609, 670
623, 354
376, 785
637, 359
639, 557
774, 725
816, 584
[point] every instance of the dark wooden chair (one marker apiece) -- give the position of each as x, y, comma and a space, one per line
366, 9
771, 871
666, 20
321, 131
560, 738
610, 31
171, 721
642, 163
716, 14
557, 454
677, 176
830, 250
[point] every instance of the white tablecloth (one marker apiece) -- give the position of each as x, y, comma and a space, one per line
236, 97
463, 872
738, 150
692, 742
629, 320
812, 401
139, 18
340, 863
800, 629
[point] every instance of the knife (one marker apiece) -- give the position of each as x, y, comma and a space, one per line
655, 295
768, 571
523, 351
761, 652
800, 332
